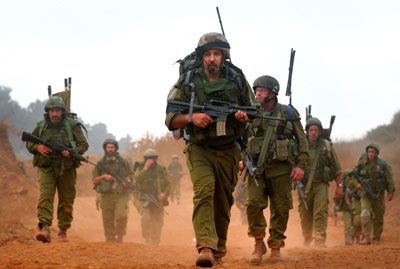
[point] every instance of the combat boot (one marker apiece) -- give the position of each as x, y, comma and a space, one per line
62, 235
44, 234
319, 243
259, 250
366, 240
119, 238
218, 260
307, 242
356, 240
376, 242
205, 258
275, 255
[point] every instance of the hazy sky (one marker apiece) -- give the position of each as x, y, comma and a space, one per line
120, 55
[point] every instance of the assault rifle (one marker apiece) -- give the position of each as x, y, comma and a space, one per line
247, 162
58, 148
219, 109
298, 185
366, 188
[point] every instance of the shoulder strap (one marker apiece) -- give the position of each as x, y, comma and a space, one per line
42, 127
328, 147
312, 172
69, 133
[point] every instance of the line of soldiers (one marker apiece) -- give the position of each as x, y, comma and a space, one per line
279, 149
148, 180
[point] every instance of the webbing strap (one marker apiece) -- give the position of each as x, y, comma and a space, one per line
313, 168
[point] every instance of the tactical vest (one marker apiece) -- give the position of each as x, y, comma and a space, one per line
61, 134
323, 172
283, 145
116, 166
225, 89
374, 175
153, 184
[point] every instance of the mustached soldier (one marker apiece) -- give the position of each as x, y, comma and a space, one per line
211, 155
377, 174
56, 171
114, 195
151, 179
284, 160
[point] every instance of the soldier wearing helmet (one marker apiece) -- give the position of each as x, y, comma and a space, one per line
211, 155
325, 167
175, 174
284, 160
114, 195
151, 179
56, 171
377, 174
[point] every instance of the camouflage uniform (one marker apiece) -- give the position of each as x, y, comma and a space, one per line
114, 197
174, 171
212, 159
287, 147
379, 177
314, 220
55, 170
152, 181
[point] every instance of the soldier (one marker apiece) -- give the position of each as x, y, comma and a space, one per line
377, 175
151, 179
114, 195
175, 174
211, 155
284, 160
324, 168
350, 206
56, 171
240, 201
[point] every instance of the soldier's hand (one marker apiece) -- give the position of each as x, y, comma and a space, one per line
297, 174
124, 184
108, 177
339, 193
242, 117
241, 167
148, 163
161, 196
201, 120
65, 153
42, 149
389, 197
359, 187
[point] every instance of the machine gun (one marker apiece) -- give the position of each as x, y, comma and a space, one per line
298, 185
247, 162
58, 148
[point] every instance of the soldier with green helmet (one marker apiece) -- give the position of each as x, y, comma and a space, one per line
175, 174
211, 155
151, 179
114, 195
377, 174
56, 171
279, 149
324, 168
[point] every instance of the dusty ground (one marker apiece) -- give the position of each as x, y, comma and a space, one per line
86, 249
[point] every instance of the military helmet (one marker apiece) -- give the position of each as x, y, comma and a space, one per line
267, 82
174, 156
111, 141
54, 101
313, 121
150, 153
374, 146
213, 41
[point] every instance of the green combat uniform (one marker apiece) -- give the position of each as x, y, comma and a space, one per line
175, 175
285, 147
211, 155
55, 170
324, 168
114, 197
378, 176
240, 201
152, 181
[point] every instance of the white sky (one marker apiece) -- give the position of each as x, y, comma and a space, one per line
120, 55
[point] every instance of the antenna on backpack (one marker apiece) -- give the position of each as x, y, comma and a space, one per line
49, 90
220, 22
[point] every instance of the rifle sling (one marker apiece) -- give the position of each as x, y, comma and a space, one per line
312, 172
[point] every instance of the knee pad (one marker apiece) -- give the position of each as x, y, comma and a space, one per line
365, 216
